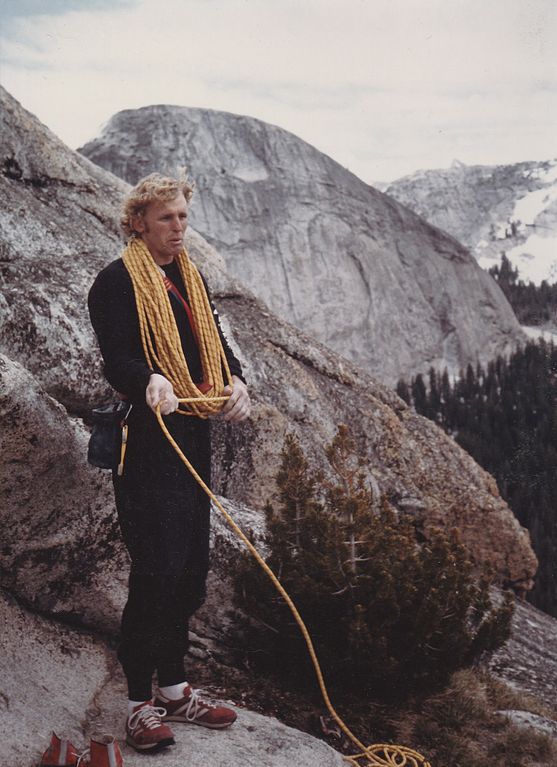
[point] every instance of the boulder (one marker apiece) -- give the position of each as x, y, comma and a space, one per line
527, 720
528, 661
252, 741
49, 678
58, 227
56, 678
61, 552
304, 389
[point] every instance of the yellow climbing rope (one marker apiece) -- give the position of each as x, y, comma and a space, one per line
163, 350
160, 336
377, 755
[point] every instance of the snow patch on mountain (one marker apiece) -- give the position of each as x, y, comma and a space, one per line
509, 209
535, 332
529, 207
536, 258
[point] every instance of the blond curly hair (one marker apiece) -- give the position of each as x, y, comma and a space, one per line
153, 188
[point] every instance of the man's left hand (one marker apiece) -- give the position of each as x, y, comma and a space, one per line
238, 406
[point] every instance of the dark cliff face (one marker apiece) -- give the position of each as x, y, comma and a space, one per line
492, 208
343, 262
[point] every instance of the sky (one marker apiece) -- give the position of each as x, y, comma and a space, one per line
385, 87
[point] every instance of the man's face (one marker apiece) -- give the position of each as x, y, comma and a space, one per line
162, 228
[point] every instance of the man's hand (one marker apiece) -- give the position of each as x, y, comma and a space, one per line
159, 389
238, 406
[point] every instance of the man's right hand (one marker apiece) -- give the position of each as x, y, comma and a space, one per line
159, 390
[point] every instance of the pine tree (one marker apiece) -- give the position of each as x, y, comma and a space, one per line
434, 396
385, 612
419, 395
403, 391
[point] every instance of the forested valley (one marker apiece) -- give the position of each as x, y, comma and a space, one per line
505, 416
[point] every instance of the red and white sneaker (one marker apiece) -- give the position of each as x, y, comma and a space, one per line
103, 751
191, 708
145, 730
60, 753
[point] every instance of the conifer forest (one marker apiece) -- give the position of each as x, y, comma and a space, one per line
532, 304
505, 416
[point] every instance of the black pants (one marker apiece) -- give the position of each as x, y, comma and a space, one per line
164, 518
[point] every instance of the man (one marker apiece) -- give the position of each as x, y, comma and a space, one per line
160, 339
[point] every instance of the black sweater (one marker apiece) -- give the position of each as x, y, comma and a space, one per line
114, 318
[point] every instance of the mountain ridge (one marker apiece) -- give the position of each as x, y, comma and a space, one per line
492, 209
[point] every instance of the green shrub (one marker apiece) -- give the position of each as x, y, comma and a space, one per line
386, 614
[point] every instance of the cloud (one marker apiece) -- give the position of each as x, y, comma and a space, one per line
13, 9
384, 86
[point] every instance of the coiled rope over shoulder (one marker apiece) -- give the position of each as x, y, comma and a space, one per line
163, 350
159, 332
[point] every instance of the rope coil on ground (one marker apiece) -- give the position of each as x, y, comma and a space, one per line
377, 755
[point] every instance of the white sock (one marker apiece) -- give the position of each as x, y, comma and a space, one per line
134, 704
174, 691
